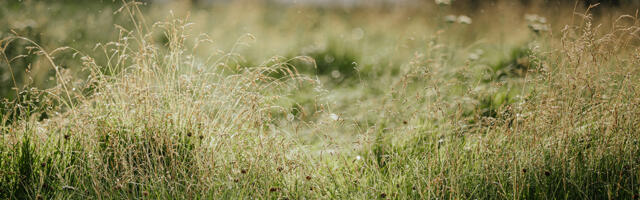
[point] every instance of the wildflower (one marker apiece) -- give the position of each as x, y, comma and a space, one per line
358, 157
329, 59
474, 57
535, 18
537, 23
530, 17
335, 74
450, 18
440, 142
443, 2
290, 117
537, 27
357, 33
463, 19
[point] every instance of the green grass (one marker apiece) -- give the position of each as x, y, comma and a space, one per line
368, 103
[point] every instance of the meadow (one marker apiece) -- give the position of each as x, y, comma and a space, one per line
268, 99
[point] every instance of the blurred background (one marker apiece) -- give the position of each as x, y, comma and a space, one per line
372, 33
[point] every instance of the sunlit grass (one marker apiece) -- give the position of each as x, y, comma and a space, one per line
318, 103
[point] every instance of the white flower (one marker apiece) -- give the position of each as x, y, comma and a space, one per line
463, 19
542, 20
535, 18
443, 2
335, 74
357, 33
537, 23
329, 59
358, 157
290, 117
450, 18
474, 57
531, 18
476, 54
536, 27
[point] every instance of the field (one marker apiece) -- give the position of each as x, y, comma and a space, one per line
296, 100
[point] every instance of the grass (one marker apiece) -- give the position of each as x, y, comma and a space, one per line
369, 103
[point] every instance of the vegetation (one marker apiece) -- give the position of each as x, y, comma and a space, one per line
130, 100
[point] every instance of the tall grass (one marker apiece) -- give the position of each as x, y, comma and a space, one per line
554, 117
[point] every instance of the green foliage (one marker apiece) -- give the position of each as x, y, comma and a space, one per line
335, 61
26, 174
494, 104
516, 64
